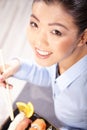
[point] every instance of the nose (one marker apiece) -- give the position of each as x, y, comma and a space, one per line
42, 38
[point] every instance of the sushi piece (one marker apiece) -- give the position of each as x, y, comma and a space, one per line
32, 128
16, 121
38, 124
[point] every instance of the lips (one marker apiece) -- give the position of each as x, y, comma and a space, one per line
42, 53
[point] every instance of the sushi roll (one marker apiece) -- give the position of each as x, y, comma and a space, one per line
38, 124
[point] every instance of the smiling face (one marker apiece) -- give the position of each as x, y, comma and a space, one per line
52, 34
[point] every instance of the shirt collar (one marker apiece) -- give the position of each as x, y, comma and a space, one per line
72, 73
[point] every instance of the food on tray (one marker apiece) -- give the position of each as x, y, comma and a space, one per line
28, 108
32, 128
25, 110
38, 124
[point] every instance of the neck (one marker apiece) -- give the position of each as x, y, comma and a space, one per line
72, 59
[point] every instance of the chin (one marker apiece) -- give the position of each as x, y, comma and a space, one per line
43, 63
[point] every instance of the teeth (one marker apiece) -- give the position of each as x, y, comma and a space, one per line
42, 52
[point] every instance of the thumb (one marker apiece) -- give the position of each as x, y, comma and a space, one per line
7, 73
11, 69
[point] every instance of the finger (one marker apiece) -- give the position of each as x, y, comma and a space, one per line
3, 73
1, 78
1, 68
23, 124
3, 84
10, 86
6, 74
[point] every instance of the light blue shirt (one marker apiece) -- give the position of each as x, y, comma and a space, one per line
69, 89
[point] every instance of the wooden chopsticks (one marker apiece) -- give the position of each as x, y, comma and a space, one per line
8, 96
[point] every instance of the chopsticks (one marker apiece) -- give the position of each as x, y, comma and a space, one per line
8, 97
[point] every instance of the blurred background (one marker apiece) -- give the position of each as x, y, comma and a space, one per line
14, 19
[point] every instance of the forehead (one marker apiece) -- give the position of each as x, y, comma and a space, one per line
53, 8
52, 13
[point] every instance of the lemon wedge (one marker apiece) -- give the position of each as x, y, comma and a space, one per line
27, 108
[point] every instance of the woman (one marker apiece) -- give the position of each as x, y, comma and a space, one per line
58, 36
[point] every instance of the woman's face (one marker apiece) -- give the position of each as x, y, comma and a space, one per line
52, 34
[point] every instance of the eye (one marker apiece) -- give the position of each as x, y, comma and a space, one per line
56, 32
33, 24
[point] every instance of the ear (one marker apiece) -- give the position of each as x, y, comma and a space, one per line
83, 39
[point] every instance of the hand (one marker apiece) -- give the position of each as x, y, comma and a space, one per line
23, 124
10, 69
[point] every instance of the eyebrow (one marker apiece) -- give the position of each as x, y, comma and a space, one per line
32, 15
50, 24
58, 24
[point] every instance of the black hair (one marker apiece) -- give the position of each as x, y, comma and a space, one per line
76, 8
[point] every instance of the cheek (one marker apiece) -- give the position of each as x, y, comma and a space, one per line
63, 47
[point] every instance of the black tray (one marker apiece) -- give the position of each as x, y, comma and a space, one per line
35, 116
